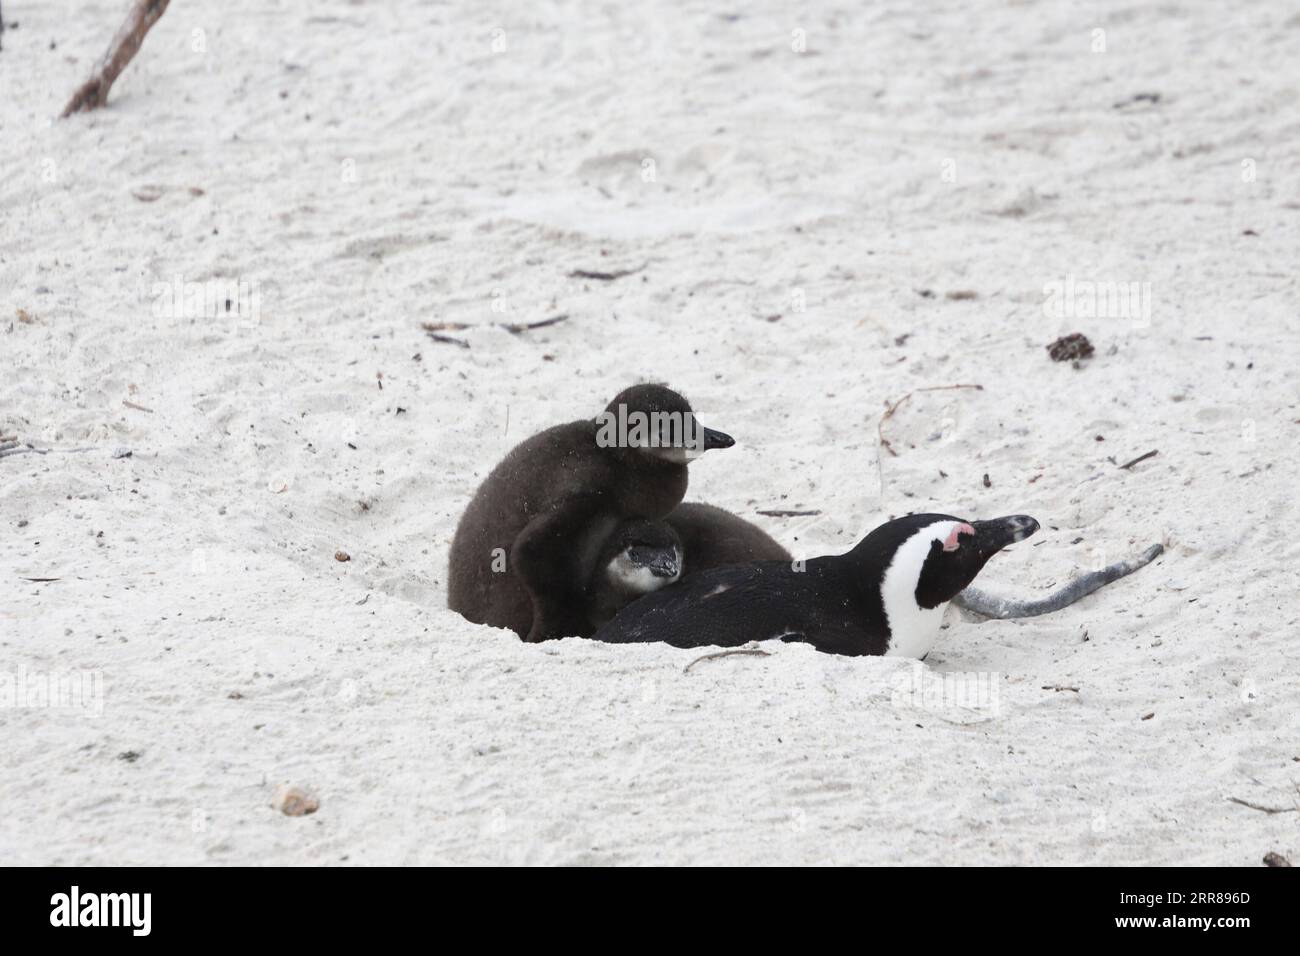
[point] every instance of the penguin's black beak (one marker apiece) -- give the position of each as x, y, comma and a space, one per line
995, 534
716, 439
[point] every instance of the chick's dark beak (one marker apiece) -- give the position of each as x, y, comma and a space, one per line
995, 534
716, 439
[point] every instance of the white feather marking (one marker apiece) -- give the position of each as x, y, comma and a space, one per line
953, 541
912, 628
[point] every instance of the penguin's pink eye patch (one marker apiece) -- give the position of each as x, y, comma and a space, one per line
951, 543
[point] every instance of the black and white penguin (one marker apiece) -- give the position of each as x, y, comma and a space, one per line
527, 544
885, 596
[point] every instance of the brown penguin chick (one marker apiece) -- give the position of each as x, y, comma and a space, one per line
526, 546
714, 538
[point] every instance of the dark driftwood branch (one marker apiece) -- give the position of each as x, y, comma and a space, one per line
989, 605
93, 94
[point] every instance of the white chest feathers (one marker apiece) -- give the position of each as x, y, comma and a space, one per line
912, 628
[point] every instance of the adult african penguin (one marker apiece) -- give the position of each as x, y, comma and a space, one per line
885, 596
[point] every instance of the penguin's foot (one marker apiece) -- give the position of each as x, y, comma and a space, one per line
990, 605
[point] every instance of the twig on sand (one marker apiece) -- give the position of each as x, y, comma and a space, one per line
93, 94
447, 339
1140, 458
789, 514
138, 408
514, 328
1263, 809
12, 448
606, 276
8, 448
890, 409
990, 605
435, 329
749, 651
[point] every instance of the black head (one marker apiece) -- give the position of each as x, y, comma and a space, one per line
650, 397
934, 556
656, 422
640, 557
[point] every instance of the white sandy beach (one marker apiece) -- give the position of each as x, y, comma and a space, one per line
798, 223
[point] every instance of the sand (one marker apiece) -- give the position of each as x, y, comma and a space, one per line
826, 211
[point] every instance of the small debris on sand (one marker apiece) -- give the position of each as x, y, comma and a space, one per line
294, 801
341, 556
1136, 98
601, 275
1140, 458
515, 328
448, 340
1070, 348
